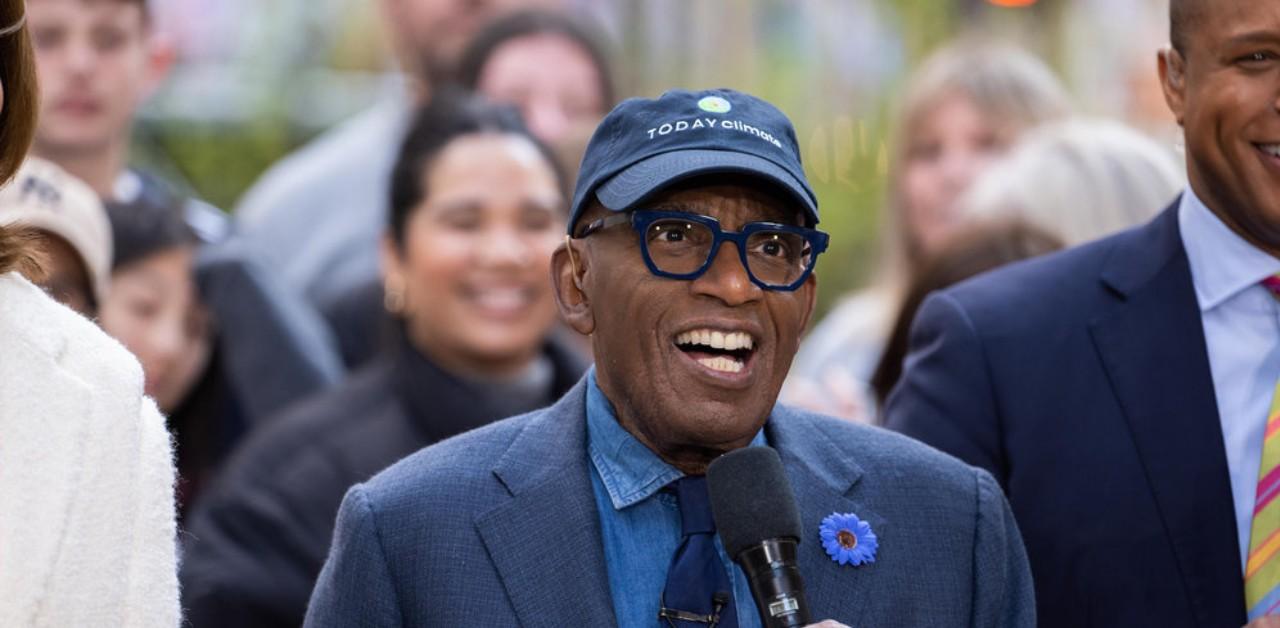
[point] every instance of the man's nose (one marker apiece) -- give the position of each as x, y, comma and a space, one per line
727, 279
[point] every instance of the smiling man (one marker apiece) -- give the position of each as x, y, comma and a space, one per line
689, 262
1125, 393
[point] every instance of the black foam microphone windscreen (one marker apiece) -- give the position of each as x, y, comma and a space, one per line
751, 499
759, 524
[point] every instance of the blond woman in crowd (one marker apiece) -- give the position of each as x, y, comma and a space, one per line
965, 107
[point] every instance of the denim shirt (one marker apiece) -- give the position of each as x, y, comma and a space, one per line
640, 522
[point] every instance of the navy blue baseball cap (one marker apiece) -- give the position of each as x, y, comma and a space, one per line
645, 146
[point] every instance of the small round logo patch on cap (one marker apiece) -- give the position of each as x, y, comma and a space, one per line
714, 104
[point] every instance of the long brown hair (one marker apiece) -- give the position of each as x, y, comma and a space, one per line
18, 248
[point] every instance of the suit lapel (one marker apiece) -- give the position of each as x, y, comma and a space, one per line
545, 540
1153, 348
825, 481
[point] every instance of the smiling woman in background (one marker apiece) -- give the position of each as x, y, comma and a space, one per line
477, 207
87, 533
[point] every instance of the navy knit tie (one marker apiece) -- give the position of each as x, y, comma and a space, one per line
698, 592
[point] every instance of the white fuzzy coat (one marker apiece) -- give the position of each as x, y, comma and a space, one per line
87, 532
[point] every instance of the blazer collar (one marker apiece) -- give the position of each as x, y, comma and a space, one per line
793, 435
1147, 251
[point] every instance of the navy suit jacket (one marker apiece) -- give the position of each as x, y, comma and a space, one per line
499, 527
1081, 381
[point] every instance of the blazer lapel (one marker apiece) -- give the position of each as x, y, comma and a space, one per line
825, 480
1153, 348
545, 540
46, 414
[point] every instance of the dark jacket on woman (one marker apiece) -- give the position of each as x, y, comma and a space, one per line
255, 545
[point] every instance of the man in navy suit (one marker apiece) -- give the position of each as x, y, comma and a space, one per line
689, 263
1120, 391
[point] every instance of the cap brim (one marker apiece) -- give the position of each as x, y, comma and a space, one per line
645, 178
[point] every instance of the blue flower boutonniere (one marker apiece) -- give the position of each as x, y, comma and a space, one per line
848, 539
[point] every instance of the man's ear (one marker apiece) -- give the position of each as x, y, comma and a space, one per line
569, 267
1173, 80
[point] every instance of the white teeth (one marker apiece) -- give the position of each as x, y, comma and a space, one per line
728, 341
1272, 149
502, 299
724, 365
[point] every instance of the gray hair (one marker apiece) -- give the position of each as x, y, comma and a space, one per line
1078, 180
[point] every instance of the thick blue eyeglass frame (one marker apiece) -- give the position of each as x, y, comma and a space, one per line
641, 220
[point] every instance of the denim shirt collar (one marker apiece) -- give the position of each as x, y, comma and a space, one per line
630, 472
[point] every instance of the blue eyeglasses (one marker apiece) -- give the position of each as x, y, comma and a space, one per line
677, 245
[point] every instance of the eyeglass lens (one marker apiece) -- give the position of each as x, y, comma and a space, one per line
681, 247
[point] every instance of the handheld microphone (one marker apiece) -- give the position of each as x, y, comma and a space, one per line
759, 524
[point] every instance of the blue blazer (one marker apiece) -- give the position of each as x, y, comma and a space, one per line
1081, 381
499, 527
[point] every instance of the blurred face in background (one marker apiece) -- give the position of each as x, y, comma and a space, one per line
154, 311
552, 80
428, 35
97, 62
946, 149
476, 255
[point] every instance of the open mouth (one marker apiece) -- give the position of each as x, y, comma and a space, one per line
720, 351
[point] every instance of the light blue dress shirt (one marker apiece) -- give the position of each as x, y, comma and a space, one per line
1242, 331
640, 522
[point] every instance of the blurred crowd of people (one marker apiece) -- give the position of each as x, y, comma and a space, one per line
386, 286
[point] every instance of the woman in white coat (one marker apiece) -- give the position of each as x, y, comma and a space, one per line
87, 534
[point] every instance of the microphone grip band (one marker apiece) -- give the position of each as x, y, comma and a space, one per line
773, 573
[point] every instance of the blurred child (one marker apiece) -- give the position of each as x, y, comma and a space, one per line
155, 310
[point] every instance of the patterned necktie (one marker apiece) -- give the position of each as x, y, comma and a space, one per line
698, 593
1262, 570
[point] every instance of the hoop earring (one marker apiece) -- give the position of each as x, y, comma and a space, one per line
393, 295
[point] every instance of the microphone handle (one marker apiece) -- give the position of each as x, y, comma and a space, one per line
776, 585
